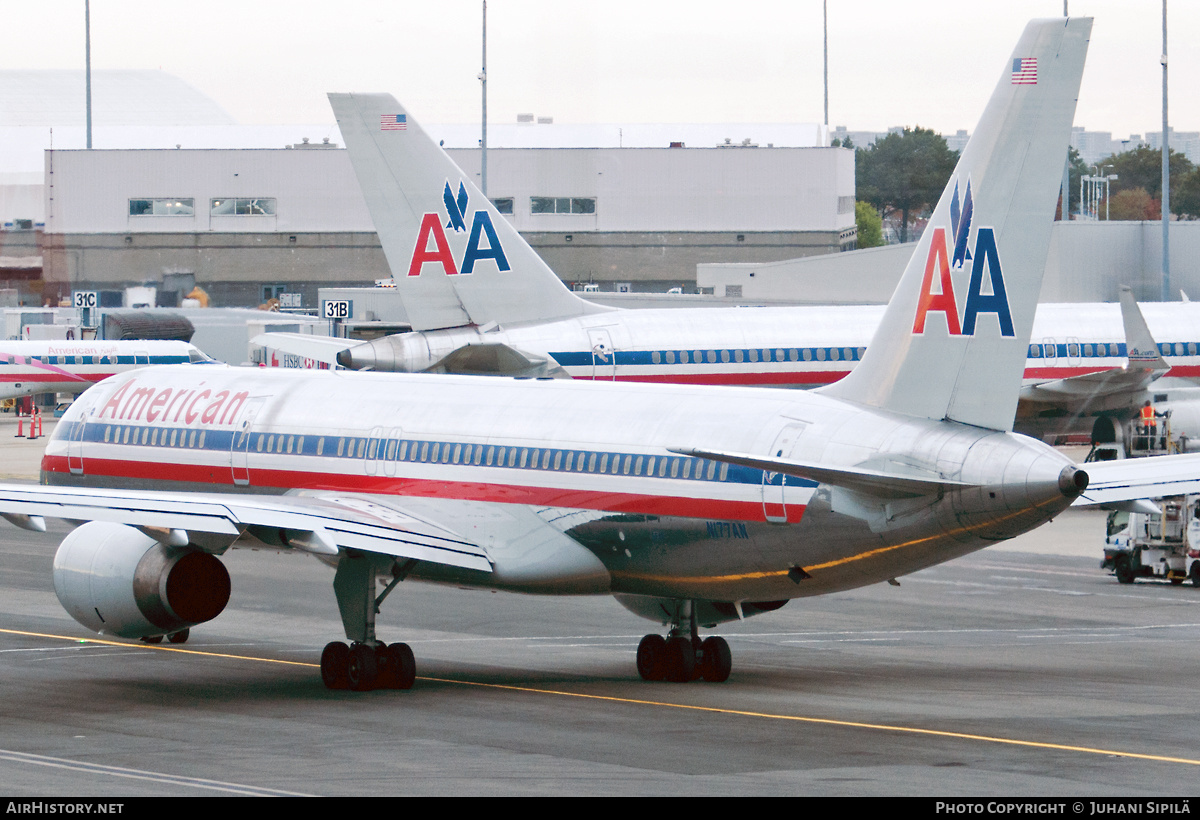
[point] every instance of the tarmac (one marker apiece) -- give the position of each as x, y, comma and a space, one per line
21, 456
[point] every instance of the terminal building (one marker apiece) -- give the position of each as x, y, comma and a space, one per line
176, 194
247, 225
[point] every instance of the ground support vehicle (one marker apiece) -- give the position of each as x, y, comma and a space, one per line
1155, 545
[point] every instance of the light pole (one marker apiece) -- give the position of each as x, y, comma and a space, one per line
483, 84
1166, 175
87, 49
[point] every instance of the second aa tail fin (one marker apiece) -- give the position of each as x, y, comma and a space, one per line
454, 258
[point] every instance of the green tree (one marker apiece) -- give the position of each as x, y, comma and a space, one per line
1185, 196
870, 225
1142, 168
904, 172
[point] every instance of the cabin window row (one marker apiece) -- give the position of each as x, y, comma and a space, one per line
78, 359
487, 455
426, 452
1051, 350
155, 436
820, 354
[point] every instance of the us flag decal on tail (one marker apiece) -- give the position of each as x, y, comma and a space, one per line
393, 122
1024, 71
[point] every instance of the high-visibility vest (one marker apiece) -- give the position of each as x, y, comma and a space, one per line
1147, 415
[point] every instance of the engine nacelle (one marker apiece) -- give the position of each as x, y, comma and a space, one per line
117, 580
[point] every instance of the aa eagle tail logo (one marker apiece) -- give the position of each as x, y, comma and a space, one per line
983, 257
482, 243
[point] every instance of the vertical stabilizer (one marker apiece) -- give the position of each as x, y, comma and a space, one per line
953, 341
456, 261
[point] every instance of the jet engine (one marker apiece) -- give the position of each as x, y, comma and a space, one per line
116, 580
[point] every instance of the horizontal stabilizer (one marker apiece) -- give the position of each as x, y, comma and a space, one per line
320, 348
1133, 478
498, 360
872, 482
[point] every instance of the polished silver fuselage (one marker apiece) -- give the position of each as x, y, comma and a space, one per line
490, 456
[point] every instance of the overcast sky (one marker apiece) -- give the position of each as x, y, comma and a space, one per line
925, 62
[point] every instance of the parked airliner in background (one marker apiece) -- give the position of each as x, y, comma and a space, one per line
31, 367
483, 302
693, 505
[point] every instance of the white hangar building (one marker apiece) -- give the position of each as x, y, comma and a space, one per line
236, 213
253, 223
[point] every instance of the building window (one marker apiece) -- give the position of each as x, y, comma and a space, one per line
173, 206
504, 205
257, 206
562, 205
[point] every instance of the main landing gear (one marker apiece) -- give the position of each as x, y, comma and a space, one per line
683, 657
366, 663
364, 666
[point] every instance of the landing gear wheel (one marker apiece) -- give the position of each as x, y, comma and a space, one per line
397, 667
152, 639
334, 661
362, 669
1194, 574
680, 660
179, 637
1123, 570
716, 660
651, 655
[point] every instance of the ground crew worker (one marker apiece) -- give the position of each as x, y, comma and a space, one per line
1149, 421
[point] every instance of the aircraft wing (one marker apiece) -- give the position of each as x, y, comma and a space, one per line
1090, 386
321, 348
1130, 479
317, 522
1144, 365
498, 360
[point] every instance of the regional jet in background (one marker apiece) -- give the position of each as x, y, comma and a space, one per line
31, 367
482, 302
692, 505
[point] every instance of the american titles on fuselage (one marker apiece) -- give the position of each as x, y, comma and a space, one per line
132, 403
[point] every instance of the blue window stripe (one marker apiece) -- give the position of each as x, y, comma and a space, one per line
355, 447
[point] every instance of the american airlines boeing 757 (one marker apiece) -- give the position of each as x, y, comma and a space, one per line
693, 505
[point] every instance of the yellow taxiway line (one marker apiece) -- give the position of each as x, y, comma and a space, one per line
850, 724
